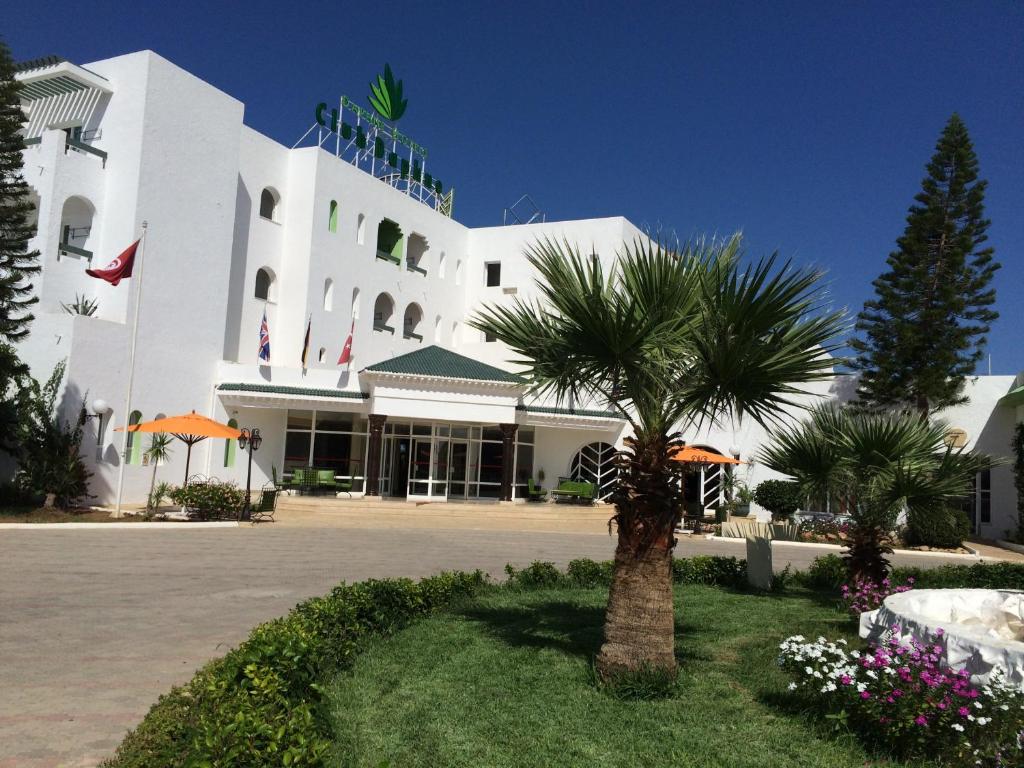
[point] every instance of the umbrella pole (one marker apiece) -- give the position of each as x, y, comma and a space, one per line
188, 459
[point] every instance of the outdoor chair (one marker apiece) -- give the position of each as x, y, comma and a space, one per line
263, 511
325, 480
534, 492
302, 480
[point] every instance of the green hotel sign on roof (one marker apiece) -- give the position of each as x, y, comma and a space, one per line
374, 131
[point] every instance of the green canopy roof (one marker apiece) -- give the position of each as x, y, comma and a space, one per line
1013, 397
444, 364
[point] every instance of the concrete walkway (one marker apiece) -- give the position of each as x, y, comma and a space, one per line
95, 624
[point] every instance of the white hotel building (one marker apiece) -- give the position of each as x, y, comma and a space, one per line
238, 225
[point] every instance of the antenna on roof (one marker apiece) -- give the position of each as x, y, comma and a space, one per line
523, 211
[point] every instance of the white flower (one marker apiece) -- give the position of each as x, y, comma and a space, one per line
977, 705
958, 727
792, 686
984, 720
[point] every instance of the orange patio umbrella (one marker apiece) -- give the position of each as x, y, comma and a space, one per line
190, 429
692, 455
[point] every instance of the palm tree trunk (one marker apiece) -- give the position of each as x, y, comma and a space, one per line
639, 627
152, 485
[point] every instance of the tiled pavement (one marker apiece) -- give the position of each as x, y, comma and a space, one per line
95, 624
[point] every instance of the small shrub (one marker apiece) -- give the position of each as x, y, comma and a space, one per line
780, 497
590, 573
536, 575
712, 570
945, 528
14, 495
865, 595
210, 499
827, 572
899, 697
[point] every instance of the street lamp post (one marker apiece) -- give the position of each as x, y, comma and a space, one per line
254, 439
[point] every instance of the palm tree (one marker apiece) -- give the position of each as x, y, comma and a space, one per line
663, 337
159, 450
874, 465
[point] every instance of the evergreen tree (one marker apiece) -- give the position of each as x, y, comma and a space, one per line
925, 330
17, 263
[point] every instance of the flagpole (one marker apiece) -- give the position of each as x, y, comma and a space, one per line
131, 374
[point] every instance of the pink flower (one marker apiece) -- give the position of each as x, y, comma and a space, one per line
921, 720
963, 711
865, 695
846, 679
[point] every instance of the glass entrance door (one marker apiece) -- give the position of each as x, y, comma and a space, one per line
457, 469
419, 467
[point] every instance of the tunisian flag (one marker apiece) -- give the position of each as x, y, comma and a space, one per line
346, 351
119, 268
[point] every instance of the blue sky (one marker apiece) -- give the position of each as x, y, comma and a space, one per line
806, 125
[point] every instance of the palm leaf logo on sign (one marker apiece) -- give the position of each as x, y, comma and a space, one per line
386, 96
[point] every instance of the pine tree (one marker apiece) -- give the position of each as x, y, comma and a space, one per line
17, 263
925, 330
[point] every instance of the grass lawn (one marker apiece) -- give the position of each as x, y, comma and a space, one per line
507, 681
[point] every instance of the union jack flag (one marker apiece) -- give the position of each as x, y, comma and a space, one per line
264, 339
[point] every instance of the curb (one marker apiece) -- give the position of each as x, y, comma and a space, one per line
838, 548
1019, 548
118, 526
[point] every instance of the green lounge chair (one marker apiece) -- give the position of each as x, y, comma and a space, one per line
575, 490
325, 480
535, 493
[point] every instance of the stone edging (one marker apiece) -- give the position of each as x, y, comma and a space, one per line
119, 526
839, 548
1011, 546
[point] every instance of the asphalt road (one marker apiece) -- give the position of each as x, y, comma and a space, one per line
95, 624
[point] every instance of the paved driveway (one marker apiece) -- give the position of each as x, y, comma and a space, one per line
95, 624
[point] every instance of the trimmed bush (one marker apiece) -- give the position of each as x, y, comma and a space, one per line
586, 573
590, 573
978, 576
210, 499
780, 497
827, 572
537, 575
260, 704
711, 570
945, 528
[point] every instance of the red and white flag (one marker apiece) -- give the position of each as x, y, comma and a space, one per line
346, 351
119, 268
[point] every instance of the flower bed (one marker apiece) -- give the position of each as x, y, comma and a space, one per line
899, 698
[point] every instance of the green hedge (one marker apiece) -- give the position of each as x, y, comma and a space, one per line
829, 573
260, 704
702, 569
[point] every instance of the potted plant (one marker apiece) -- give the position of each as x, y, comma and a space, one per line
782, 498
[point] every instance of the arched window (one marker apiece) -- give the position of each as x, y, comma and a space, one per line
332, 217
264, 284
437, 330
390, 243
458, 272
440, 265
133, 450
361, 230
415, 259
355, 303
328, 295
322, 356
229, 446
76, 228
455, 333
411, 322
595, 463
269, 201
383, 309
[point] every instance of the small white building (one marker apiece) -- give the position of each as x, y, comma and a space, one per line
335, 236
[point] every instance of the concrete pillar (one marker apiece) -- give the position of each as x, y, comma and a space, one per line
508, 459
759, 561
373, 454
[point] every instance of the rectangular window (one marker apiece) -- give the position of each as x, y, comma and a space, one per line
490, 337
493, 273
985, 496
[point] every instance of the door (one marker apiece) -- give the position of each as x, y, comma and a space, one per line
439, 475
400, 467
457, 467
419, 467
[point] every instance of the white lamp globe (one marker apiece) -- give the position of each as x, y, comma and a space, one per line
100, 407
734, 450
